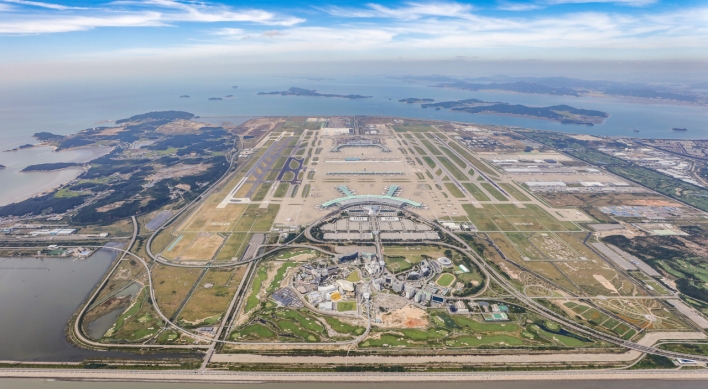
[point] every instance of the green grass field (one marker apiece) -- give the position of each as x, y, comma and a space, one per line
452, 169
343, 328
262, 191
445, 279
493, 191
252, 300
475, 191
474, 161
454, 157
454, 190
344, 306
514, 192
281, 190
257, 331
433, 150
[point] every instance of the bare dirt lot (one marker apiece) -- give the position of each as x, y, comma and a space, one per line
179, 170
203, 248
406, 317
180, 127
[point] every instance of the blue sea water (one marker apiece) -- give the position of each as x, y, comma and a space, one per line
70, 107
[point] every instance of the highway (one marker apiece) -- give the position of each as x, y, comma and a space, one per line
221, 376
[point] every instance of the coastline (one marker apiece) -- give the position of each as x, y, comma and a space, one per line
24, 185
627, 99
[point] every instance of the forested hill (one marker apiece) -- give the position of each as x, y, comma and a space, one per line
166, 167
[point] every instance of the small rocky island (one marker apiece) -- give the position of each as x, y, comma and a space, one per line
215, 98
679, 129
312, 93
184, 96
415, 100
25, 146
48, 167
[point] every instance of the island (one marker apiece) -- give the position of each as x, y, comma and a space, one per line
679, 129
48, 167
413, 100
312, 93
573, 87
520, 87
234, 86
184, 96
215, 98
2, 166
25, 146
561, 113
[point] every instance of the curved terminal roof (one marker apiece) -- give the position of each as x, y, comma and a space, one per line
386, 199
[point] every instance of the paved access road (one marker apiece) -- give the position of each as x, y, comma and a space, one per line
251, 377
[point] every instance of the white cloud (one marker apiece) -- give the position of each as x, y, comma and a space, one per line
79, 23
40, 4
631, 3
550, 33
132, 14
413, 29
506, 6
411, 11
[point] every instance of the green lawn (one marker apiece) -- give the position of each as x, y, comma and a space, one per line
433, 150
397, 264
493, 191
474, 161
475, 191
454, 157
343, 328
452, 169
454, 190
279, 276
488, 339
485, 327
344, 306
445, 279
281, 190
288, 176
306, 190
514, 192
262, 191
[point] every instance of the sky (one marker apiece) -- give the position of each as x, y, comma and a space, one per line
55, 38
